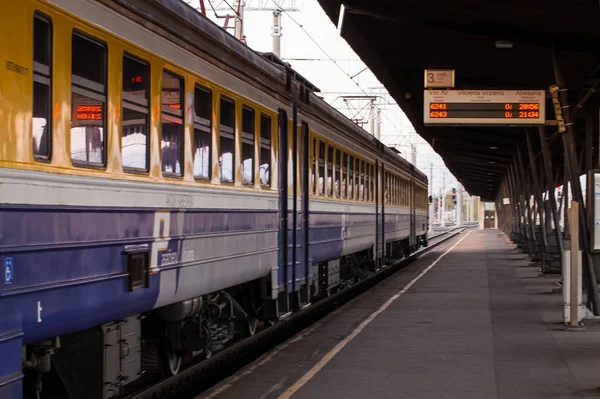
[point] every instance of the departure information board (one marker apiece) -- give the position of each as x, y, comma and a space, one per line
484, 107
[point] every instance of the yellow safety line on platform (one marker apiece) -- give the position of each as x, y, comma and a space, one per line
317, 367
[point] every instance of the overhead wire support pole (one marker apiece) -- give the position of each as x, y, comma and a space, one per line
443, 199
239, 21
276, 32
432, 196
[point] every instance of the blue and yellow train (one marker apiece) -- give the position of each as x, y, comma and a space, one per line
163, 186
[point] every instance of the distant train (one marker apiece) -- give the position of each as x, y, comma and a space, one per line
164, 186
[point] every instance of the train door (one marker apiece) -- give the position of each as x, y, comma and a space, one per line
306, 263
411, 192
294, 273
284, 275
383, 199
379, 244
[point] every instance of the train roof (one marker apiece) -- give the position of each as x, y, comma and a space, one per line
181, 21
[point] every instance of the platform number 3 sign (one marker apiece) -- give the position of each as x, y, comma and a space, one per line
8, 271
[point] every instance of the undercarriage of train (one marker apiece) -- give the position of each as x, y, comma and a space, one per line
100, 362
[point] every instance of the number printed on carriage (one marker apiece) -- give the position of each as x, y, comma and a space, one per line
179, 201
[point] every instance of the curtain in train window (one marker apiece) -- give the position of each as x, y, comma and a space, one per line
313, 171
338, 161
202, 133
330, 171
265, 150
321, 168
345, 176
247, 146
227, 140
351, 177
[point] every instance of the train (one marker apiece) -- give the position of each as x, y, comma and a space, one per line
164, 187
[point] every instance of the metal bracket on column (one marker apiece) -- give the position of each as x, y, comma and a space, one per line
553, 90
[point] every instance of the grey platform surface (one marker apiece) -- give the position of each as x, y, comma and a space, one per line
482, 323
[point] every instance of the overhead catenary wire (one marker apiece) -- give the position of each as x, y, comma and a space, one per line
338, 66
334, 60
319, 46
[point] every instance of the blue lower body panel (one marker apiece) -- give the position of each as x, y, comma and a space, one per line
68, 265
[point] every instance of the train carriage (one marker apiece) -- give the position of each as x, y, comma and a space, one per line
163, 186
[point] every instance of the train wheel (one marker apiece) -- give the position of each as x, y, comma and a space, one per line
170, 360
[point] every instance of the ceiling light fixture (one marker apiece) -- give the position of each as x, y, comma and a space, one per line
504, 44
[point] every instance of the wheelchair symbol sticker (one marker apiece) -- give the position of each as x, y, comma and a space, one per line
8, 271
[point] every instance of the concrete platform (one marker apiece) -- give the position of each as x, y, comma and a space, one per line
480, 323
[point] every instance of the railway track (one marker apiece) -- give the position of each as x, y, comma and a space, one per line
198, 377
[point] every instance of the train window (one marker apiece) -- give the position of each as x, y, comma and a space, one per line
358, 179
345, 176
136, 111
42, 88
330, 177
362, 180
399, 190
202, 132
372, 181
351, 177
338, 161
403, 193
172, 124
247, 145
369, 175
387, 189
313, 170
321, 168
367, 181
88, 101
227, 140
265, 150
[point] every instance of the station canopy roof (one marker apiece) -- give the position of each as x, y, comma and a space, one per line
399, 39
